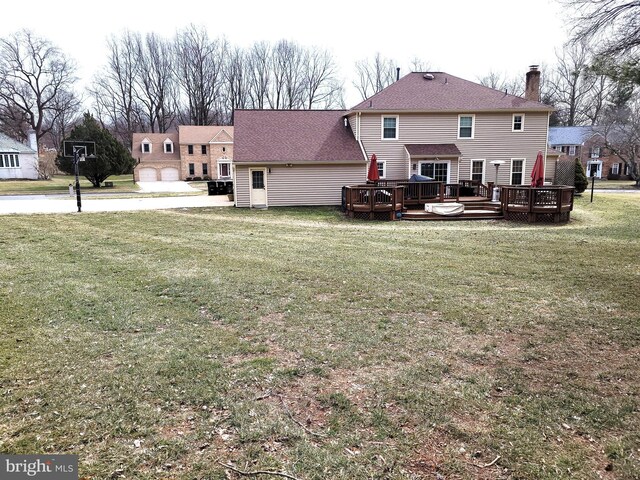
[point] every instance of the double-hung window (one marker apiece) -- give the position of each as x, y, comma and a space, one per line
517, 171
518, 122
390, 128
466, 126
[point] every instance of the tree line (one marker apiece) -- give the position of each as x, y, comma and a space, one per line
151, 83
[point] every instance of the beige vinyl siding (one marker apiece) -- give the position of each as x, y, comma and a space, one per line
493, 140
241, 186
301, 185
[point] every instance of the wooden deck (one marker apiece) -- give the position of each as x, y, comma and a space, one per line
402, 200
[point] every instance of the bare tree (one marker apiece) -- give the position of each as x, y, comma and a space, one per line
500, 81
36, 84
621, 129
418, 65
573, 83
259, 73
374, 75
155, 85
199, 70
321, 86
114, 88
236, 79
615, 24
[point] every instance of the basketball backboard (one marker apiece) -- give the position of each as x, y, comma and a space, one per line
83, 148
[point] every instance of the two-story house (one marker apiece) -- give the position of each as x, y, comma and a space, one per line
433, 124
587, 143
194, 152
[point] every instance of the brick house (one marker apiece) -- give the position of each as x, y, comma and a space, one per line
194, 152
587, 144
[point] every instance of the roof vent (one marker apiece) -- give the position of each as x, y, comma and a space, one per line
428, 76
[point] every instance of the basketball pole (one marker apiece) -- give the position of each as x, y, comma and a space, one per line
76, 159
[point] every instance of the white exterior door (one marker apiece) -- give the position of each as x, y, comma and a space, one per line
169, 174
148, 175
594, 168
258, 187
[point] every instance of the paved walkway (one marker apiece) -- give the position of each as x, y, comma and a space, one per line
26, 204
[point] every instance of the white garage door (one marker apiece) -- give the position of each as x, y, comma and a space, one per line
169, 174
148, 175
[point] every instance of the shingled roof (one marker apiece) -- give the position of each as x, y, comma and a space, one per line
8, 144
202, 134
439, 91
293, 136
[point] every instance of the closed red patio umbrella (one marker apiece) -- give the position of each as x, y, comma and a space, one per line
373, 175
537, 174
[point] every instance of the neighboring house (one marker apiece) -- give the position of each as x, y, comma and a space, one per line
194, 152
294, 157
18, 160
432, 124
587, 144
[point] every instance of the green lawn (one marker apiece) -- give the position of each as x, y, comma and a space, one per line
613, 184
165, 344
60, 184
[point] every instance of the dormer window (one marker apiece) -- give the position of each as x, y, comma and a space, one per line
146, 146
168, 146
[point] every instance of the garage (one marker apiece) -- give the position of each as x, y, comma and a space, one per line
147, 174
169, 174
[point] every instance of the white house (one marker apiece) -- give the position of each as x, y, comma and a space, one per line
17, 160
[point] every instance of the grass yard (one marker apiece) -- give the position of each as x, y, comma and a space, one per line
168, 344
613, 184
60, 184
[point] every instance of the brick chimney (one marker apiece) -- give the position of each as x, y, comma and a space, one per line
532, 90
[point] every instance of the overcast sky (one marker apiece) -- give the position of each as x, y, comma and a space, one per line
466, 38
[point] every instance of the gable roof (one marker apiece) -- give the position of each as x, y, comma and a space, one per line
440, 91
294, 136
202, 134
571, 135
8, 144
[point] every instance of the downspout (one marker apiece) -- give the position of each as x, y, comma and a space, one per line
364, 153
546, 149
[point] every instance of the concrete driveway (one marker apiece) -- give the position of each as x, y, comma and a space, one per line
27, 204
177, 186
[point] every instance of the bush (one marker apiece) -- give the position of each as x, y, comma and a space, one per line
196, 179
206, 177
580, 182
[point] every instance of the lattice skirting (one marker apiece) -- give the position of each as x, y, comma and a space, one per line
382, 216
562, 217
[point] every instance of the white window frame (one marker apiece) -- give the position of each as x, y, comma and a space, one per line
448, 162
384, 168
473, 126
9, 160
484, 171
224, 161
511, 172
595, 152
397, 119
513, 122
572, 149
146, 144
615, 169
165, 144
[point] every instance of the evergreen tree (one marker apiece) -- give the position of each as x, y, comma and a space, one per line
111, 157
580, 182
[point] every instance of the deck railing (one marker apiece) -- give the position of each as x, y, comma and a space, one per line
374, 202
537, 204
419, 193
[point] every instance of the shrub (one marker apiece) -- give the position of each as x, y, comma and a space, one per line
196, 179
581, 182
